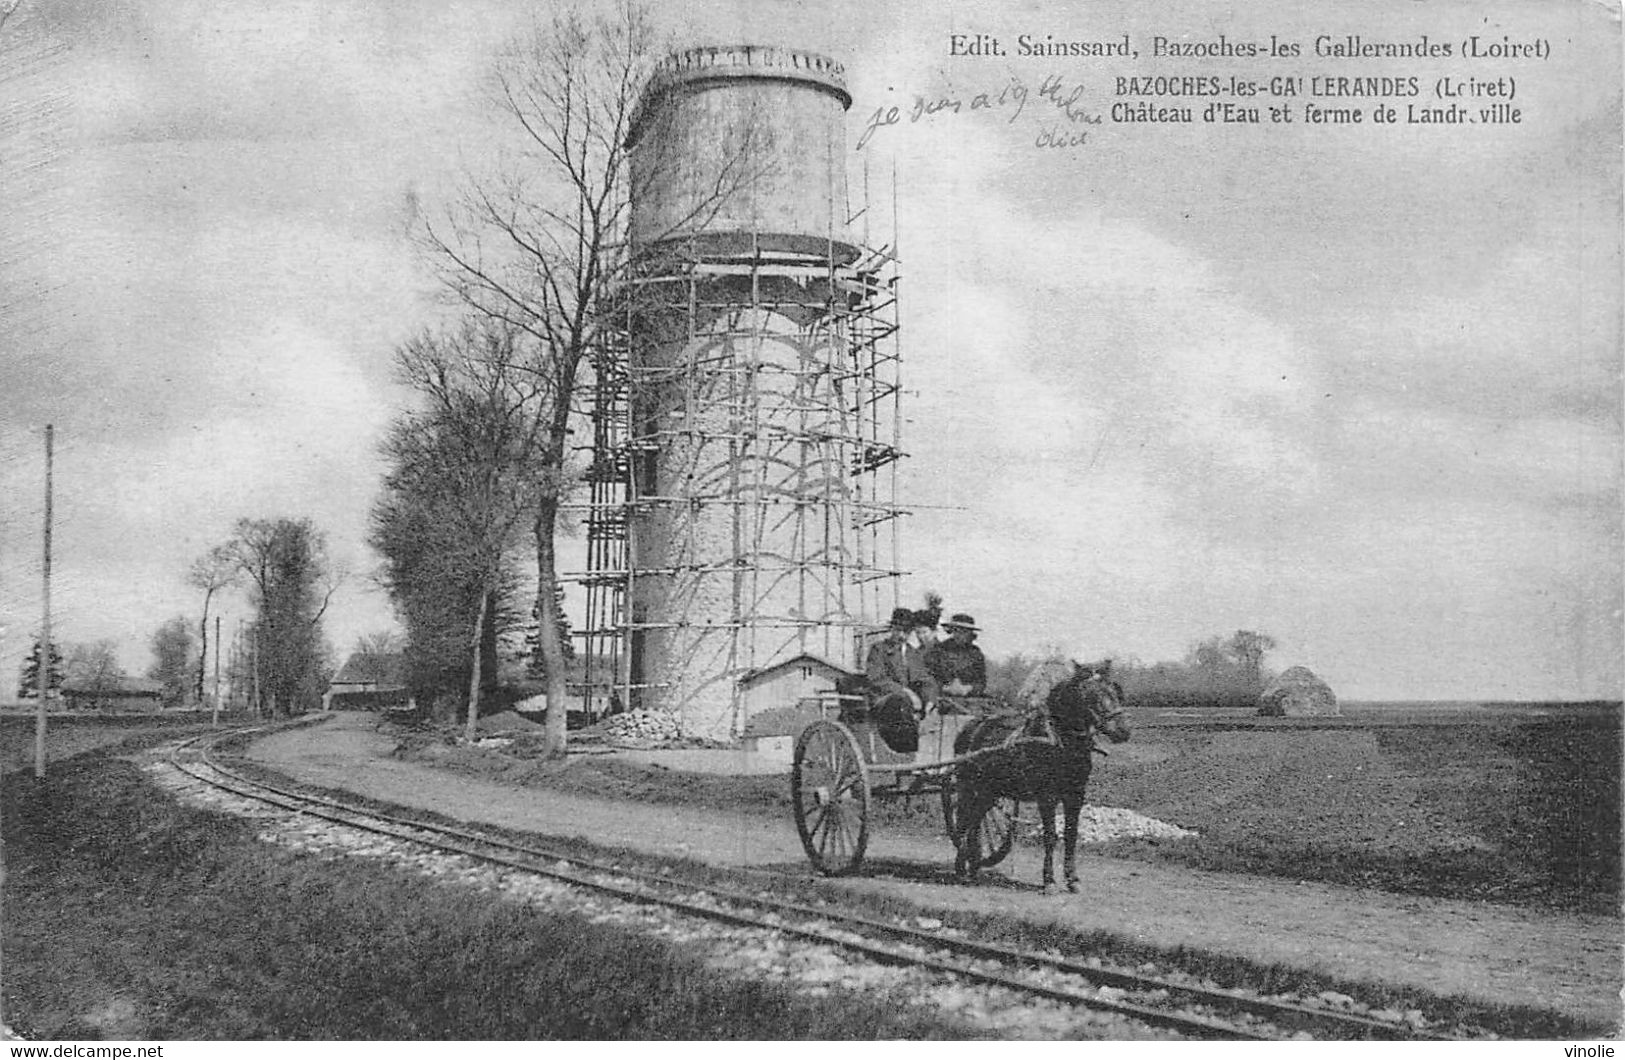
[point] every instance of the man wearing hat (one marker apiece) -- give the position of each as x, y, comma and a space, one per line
957, 664
902, 683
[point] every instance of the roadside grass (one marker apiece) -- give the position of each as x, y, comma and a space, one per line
128, 915
1217, 969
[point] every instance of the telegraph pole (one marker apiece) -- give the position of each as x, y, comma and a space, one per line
45, 621
217, 671
237, 668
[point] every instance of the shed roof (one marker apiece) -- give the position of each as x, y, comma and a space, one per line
118, 686
387, 670
764, 672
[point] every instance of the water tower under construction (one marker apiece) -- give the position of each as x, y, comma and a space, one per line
746, 416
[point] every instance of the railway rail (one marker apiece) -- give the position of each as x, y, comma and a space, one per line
1188, 1010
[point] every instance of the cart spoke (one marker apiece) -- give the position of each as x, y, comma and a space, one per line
831, 792
815, 818
829, 834
820, 833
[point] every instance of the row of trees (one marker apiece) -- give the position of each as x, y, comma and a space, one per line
283, 566
457, 501
1219, 671
93, 670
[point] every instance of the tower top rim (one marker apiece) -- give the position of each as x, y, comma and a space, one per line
711, 63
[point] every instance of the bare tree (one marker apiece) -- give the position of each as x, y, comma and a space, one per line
94, 669
172, 648
380, 642
546, 247
210, 572
1248, 648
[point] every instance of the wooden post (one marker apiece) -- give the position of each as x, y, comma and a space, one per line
45, 621
217, 671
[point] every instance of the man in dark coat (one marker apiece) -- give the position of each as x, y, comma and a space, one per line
902, 683
957, 664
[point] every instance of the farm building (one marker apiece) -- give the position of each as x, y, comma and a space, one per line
778, 700
368, 681
123, 693
790, 681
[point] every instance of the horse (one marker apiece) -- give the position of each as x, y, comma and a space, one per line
1043, 755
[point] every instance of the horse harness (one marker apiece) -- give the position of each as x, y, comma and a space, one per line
1043, 720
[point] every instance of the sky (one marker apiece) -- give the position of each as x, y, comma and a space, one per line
1355, 387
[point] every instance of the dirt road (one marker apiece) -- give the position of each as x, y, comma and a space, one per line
1568, 962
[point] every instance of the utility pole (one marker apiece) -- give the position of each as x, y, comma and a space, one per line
259, 702
45, 621
217, 671
237, 668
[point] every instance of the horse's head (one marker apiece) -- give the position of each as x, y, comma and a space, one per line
1096, 700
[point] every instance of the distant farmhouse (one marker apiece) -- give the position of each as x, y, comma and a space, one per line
368, 681
117, 693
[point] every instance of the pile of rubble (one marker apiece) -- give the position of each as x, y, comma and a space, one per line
643, 728
1102, 824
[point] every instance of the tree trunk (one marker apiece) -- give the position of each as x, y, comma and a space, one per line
547, 630
259, 692
203, 652
474, 674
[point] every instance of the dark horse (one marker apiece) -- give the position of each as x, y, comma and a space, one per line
1043, 756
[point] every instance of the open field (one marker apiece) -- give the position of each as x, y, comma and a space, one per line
71, 734
1503, 804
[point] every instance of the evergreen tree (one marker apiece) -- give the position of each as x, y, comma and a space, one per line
28, 684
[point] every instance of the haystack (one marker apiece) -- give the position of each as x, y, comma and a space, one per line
1297, 693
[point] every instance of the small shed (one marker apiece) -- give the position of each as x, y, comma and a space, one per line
770, 697
368, 681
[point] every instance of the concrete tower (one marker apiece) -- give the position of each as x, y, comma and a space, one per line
745, 399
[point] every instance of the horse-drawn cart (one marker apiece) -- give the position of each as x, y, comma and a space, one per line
979, 758
842, 766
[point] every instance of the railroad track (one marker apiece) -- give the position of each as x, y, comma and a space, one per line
1188, 1010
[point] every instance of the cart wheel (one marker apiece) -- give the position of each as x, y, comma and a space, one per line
996, 831
829, 788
